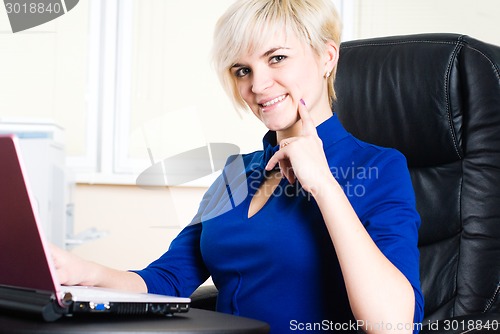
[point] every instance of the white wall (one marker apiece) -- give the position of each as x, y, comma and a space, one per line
141, 223
479, 19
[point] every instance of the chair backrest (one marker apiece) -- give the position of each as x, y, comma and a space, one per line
436, 98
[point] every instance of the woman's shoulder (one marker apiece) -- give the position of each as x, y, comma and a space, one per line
355, 151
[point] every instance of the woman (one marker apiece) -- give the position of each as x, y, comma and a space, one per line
319, 230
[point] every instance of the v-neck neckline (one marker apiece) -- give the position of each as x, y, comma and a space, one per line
250, 197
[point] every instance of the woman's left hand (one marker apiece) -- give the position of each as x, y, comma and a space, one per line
303, 157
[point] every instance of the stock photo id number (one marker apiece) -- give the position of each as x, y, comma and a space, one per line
26, 14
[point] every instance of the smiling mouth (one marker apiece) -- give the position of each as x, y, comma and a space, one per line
273, 101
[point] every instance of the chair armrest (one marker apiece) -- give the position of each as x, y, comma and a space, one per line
470, 324
205, 297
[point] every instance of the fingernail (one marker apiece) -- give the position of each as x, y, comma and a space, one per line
302, 101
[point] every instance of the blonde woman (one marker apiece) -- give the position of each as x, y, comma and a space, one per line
319, 230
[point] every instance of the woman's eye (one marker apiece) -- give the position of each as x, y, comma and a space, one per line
241, 72
277, 59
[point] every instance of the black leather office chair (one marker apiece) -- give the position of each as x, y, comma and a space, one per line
436, 98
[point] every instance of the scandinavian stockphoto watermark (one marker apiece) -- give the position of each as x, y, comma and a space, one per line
352, 179
203, 161
26, 14
238, 179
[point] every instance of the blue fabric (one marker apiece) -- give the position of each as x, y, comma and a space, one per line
279, 265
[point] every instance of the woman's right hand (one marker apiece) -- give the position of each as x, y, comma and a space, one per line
72, 269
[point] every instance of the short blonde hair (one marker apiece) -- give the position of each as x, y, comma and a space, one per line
247, 24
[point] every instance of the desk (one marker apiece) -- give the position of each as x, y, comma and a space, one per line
194, 321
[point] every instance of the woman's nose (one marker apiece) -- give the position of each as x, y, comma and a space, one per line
261, 81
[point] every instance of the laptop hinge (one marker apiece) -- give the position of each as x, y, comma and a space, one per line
40, 303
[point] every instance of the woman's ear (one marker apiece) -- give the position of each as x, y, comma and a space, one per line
331, 56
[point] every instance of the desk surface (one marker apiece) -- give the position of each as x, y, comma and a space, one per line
194, 321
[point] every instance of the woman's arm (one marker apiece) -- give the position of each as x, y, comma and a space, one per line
73, 270
178, 272
378, 292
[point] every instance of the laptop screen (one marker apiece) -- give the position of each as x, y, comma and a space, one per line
23, 262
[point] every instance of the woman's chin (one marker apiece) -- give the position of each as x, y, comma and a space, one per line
280, 124
279, 119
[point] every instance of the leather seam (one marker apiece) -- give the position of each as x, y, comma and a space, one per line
455, 281
495, 67
490, 301
457, 49
460, 38
472, 329
396, 43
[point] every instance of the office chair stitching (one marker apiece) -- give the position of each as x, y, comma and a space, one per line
492, 63
472, 329
455, 276
396, 43
490, 301
457, 49
460, 38
496, 69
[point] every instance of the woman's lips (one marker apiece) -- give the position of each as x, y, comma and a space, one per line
272, 102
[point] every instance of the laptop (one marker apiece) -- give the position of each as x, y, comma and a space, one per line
27, 274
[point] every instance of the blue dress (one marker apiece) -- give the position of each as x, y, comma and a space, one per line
280, 265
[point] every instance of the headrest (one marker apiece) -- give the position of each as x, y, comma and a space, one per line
412, 92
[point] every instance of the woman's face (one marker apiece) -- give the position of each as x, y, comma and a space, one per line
273, 78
